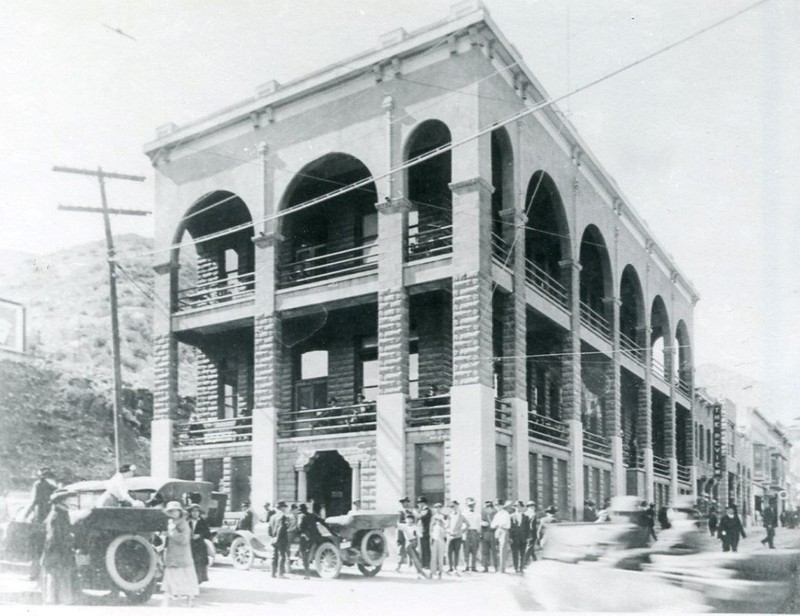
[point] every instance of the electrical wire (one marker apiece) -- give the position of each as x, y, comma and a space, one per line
451, 146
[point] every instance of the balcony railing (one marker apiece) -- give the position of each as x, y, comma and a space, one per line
328, 420
660, 466
213, 431
630, 461
430, 411
550, 430
595, 321
331, 265
630, 348
684, 473
684, 387
216, 292
596, 445
548, 285
502, 414
431, 242
502, 250
657, 369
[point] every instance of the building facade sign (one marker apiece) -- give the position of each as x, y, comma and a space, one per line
720, 445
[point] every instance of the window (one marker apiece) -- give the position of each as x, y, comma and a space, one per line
368, 369
501, 464
563, 491
313, 365
548, 493
184, 469
758, 460
240, 481
311, 389
596, 487
429, 471
413, 368
230, 263
212, 471
228, 390
369, 227
606, 486
533, 470
587, 494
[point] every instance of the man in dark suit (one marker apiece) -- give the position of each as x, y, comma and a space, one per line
518, 534
424, 515
730, 530
488, 541
401, 538
770, 520
43, 489
279, 537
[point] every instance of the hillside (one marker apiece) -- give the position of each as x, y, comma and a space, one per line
66, 295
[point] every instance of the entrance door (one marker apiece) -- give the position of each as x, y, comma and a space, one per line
329, 481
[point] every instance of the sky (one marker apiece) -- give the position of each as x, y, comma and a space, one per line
703, 140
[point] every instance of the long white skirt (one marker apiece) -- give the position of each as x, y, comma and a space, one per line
180, 582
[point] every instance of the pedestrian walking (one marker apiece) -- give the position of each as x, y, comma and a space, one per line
412, 535
533, 531
712, 520
180, 579
438, 539
770, 521
402, 540
279, 538
501, 522
650, 521
730, 530
548, 519
456, 527
37, 511
58, 554
488, 539
200, 534
518, 536
472, 538
424, 515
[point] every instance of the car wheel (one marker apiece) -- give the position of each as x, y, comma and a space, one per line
369, 571
373, 547
241, 554
328, 560
131, 562
141, 596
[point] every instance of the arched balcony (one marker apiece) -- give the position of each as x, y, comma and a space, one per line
218, 270
335, 237
595, 283
682, 361
430, 221
546, 239
660, 339
631, 315
502, 197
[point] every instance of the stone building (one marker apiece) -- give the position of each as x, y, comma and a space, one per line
771, 460
399, 291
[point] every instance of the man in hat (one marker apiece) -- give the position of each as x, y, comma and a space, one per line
247, 520
309, 535
116, 494
405, 511
548, 519
279, 537
356, 507
488, 539
58, 556
473, 535
501, 522
43, 489
533, 531
424, 515
456, 527
518, 536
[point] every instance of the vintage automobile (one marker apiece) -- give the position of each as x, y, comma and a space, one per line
356, 539
114, 545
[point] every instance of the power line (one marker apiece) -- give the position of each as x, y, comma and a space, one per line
449, 147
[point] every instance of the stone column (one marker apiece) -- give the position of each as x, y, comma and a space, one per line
613, 401
515, 366
571, 388
670, 433
165, 374
355, 482
472, 431
644, 420
302, 483
266, 369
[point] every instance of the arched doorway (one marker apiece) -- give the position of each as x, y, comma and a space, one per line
329, 482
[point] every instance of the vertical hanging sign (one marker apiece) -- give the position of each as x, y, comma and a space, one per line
719, 439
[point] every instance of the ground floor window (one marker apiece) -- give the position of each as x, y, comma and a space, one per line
563, 491
184, 469
548, 491
606, 486
501, 464
533, 470
429, 471
240, 481
212, 471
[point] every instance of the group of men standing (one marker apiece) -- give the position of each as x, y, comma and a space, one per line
500, 535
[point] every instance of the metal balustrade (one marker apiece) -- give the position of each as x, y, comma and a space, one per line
658, 370
549, 430
502, 414
328, 420
213, 431
629, 461
660, 466
684, 387
630, 348
684, 473
596, 444
215, 292
430, 411
432, 242
330, 265
549, 286
595, 321
502, 250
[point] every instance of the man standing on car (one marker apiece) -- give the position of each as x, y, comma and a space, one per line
279, 535
309, 535
43, 489
247, 520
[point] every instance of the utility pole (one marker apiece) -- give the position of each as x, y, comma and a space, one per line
112, 276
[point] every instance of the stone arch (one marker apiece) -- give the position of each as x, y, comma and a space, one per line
596, 282
683, 360
660, 336
502, 154
547, 235
632, 315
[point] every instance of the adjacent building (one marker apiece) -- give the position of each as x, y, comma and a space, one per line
411, 276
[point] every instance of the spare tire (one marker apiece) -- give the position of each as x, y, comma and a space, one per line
131, 562
373, 547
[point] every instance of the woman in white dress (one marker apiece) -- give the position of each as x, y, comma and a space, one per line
180, 579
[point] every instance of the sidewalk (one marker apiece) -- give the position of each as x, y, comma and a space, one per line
784, 539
